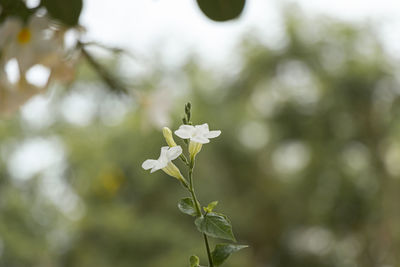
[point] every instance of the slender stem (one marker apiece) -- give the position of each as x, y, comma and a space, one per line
208, 251
183, 158
200, 214
191, 189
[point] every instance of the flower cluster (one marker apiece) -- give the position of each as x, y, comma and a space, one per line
39, 42
197, 136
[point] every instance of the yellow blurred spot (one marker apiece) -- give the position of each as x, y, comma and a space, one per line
111, 180
24, 36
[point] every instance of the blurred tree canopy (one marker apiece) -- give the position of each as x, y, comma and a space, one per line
307, 163
42, 42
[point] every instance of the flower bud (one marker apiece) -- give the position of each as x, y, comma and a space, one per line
168, 137
194, 261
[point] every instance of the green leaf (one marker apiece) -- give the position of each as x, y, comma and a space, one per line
221, 10
194, 261
215, 225
186, 205
210, 206
67, 11
223, 251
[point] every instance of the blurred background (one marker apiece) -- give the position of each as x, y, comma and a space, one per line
307, 167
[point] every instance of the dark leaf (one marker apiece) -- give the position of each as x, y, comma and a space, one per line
186, 205
66, 11
223, 251
222, 10
215, 225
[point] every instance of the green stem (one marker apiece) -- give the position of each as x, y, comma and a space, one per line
208, 251
191, 190
183, 158
199, 213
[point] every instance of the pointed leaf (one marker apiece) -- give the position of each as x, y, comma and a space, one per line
223, 251
222, 10
215, 225
186, 205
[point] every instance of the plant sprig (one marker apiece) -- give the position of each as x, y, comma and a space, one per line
207, 221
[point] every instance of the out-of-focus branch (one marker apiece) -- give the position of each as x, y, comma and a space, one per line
115, 50
104, 74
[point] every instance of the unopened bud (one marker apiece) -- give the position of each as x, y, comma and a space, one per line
194, 261
168, 137
188, 108
210, 207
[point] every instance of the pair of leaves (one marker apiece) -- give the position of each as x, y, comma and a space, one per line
186, 205
212, 224
218, 226
221, 10
69, 11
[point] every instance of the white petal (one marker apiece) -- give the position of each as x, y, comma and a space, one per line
185, 131
213, 134
9, 30
163, 155
38, 24
203, 128
149, 164
200, 139
174, 152
26, 58
157, 167
164, 150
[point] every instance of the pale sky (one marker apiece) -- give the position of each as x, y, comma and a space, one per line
176, 27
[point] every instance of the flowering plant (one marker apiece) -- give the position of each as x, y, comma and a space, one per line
207, 221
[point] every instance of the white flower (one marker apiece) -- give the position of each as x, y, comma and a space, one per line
31, 44
12, 96
164, 162
199, 133
198, 136
11, 100
36, 43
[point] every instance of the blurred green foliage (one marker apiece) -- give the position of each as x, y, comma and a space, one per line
307, 166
